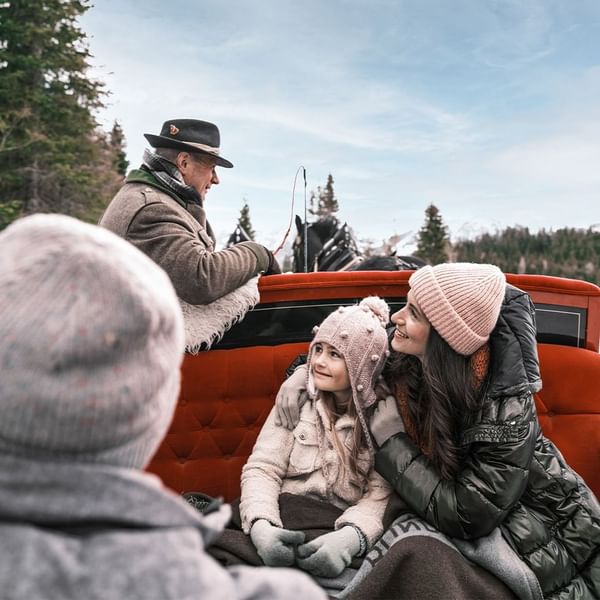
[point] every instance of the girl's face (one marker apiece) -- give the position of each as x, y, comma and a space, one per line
329, 369
412, 329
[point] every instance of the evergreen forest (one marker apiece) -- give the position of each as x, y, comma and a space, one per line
568, 252
53, 155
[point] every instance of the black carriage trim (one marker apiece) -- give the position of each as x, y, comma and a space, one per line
271, 324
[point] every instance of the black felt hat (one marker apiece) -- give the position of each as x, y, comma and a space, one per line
191, 135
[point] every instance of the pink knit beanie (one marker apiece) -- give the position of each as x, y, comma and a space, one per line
462, 301
358, 334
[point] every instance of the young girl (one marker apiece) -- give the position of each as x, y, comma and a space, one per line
329, 454
459, 437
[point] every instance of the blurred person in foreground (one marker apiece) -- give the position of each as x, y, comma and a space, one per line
91, 345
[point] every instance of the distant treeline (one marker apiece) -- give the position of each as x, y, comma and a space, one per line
568, 252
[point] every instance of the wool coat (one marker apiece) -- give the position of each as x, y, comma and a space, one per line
512, 477
178, 237
70, 532
304, 461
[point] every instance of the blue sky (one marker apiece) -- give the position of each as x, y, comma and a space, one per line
486, 108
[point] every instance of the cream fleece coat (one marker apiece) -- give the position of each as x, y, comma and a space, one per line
303, 461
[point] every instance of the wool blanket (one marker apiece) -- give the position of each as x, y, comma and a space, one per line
411, 560
414, 560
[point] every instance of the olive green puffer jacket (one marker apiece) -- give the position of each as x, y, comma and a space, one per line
513, 477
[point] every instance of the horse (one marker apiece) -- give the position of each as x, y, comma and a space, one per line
332, 247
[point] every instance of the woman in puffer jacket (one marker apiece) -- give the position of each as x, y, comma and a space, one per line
458, 436
461, 443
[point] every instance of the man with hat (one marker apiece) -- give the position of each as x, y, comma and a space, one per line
160, 210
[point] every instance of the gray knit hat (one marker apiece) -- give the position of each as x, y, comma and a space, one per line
92, 342
461, 300
358, 334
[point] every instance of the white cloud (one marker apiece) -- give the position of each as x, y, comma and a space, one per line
487, 109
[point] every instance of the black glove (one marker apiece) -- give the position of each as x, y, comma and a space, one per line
273, 268
263, 257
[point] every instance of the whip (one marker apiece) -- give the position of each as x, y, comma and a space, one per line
292, 217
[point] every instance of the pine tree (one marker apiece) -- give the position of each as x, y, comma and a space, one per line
323, 203
328, 203
433, 242
117, 141
52, 155
245, 223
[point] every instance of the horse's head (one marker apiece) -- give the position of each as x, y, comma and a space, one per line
316, 235
330, 245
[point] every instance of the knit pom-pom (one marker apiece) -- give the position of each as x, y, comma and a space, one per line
378, 307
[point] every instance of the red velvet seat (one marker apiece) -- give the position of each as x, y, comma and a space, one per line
569, 407
228, 392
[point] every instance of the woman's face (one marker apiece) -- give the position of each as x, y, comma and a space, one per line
412, 329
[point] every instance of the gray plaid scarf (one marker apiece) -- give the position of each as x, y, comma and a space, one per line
168, 174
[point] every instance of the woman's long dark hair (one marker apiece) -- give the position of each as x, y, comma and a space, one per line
442, 399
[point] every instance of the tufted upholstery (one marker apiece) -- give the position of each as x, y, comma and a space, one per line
225, 398
569, 406
228, 392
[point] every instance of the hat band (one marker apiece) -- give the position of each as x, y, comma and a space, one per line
202, 147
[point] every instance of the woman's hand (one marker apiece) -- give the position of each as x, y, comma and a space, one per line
386, 420
291, 398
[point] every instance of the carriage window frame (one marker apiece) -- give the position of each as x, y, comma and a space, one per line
272, 324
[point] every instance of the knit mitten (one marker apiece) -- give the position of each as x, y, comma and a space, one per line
386, 420
290, 398
275, 545
329, 554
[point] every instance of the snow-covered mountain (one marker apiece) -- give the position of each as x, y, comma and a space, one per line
470, 230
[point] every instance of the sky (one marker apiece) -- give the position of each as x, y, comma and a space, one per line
488, 109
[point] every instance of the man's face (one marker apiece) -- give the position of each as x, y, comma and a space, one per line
198, 171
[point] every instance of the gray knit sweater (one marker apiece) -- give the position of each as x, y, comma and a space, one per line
94, 532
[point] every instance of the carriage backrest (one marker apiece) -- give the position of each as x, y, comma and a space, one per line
228, 391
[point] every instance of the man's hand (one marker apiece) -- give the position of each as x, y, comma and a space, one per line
273, 268
266, 262
385, 420
291, 398
275, 545
329, 554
